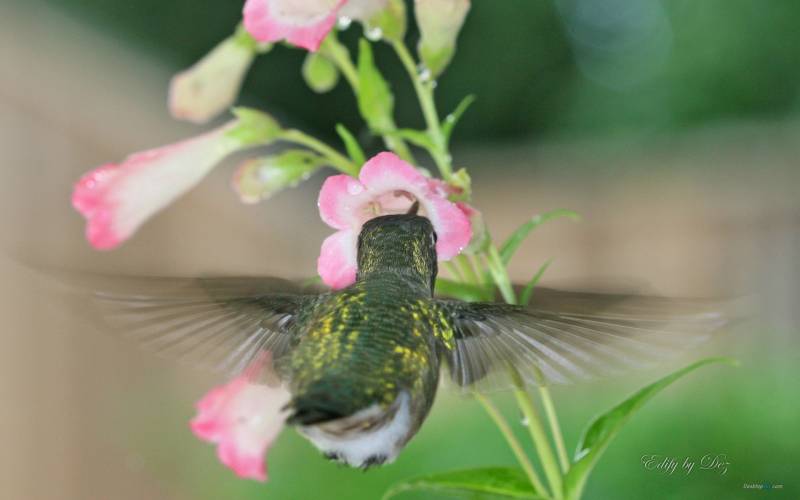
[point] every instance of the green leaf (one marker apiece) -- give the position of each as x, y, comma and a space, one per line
597, 436
462, 291
452, 119
375, 99
461, 180
260, 178
319, 72
254, 127
351, 145
491, 482
416, 137
525, 297
513, 242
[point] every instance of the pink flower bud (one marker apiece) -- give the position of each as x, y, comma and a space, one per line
211, 85
439, 23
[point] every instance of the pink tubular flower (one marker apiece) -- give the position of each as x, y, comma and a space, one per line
304, 23
242, 419
116, 199
386, 185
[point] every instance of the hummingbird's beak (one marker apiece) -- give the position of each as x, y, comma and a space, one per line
414, 208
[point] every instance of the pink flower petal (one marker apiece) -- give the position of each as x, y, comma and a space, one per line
386, 171
341, 201
243, 419
301, 23
451, 225
337, 259
116, 199
206, 425
386, 185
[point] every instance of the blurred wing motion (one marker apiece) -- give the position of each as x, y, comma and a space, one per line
218, 323
563, 337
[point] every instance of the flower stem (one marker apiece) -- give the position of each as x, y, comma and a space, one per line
340, 56
424, 91
500, 274
513, 443
536, 429
454, 271
555, 428
467, 270
336, 159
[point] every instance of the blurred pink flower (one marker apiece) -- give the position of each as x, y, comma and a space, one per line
386, 185
117, 198
304, 23
242, 419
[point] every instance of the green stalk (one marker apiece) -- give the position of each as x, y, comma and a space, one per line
336, 159
340, 56
536, 429
424, 91
473, 263
555, 428
466, 269
514, 444
500, 275
454, 271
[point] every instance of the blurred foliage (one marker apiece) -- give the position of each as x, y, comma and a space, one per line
539, 68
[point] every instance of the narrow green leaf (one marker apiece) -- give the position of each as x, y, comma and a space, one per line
462, 291
319, 72
599, 433
513, 242
375, 99
492, 482
451, 120
525, 298
416, 137
351, 145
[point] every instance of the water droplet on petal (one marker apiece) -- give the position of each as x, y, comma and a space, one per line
343, 22
373, 34
355, 188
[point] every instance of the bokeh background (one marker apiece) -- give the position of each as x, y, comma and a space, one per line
672, 127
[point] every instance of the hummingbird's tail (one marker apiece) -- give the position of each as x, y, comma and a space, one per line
314, 407
311, 413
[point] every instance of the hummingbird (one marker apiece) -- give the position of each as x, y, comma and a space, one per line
363, 364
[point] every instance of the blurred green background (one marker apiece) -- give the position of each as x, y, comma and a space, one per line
672, 126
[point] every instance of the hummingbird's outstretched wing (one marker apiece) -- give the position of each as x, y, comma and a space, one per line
562, 336
217, 323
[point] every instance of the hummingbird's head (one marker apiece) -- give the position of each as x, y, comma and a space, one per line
401, 243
